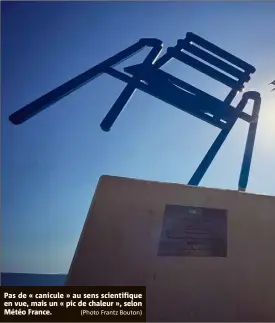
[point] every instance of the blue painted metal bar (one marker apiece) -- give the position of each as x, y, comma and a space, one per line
212, 152
162, 95
213, 60
220, 52
117, 107
65, 89
243, 179
128, 91
206, 69
156, 77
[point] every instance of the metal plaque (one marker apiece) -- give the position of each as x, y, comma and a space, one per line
193, 231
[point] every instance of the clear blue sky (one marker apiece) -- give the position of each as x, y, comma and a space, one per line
51, 164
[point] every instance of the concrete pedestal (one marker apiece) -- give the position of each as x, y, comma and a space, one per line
204, 254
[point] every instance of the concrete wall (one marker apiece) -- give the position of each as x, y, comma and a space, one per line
119, 245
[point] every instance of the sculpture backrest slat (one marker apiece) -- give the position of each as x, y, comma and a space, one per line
212, 61
207, 69
220, 52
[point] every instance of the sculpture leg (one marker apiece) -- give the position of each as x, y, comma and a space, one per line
128, 91
208, 158
244, 174
212, 152
117, 107
63, 90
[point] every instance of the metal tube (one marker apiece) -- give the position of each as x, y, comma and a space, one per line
129, 90
212, 152
247, 158
65, 89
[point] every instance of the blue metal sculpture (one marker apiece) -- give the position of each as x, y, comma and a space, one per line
148, 77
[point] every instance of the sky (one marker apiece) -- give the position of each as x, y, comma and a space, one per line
51, 164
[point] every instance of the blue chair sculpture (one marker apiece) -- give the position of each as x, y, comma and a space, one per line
149, 78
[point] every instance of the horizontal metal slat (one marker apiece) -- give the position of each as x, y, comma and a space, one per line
215, 61
206, 69
220, 52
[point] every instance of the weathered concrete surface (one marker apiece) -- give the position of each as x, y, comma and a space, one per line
119, 246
